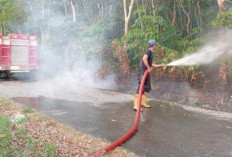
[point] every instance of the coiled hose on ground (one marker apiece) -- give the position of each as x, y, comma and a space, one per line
134, 127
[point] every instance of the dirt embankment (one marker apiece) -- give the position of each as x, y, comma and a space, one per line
41, 128
208, 94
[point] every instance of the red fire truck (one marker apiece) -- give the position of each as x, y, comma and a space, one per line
18, 53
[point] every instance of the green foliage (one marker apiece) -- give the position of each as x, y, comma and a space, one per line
7, 10
5, 137
27, 110
50, 149
223, 19
101, 22
172, 46
173, 39
144, 28
168, 54
21, 133
11, 11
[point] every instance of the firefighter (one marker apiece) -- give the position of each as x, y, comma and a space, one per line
146, 64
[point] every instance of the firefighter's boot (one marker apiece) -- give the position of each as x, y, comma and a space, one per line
144, 99
136, 102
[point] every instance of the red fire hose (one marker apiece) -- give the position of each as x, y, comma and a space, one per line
132, 130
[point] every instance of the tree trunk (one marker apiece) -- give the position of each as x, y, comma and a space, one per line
153, 7
222, 70
127, 16
139, 15
221, 8
188, 18
221, 5
137, 5
199, 12
73, 11
196, 16
65, 8
85, 12
168, 19
144, 9
181, 23
174, 14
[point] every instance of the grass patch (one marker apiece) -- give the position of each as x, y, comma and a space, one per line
50, 123
5, 137
27, 110
14, 141
41, 136
51, 149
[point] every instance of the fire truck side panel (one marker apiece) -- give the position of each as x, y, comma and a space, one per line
5, 56
19, 53
33, 52
0, 51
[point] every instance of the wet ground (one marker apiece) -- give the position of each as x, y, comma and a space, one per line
210, 94
165, 130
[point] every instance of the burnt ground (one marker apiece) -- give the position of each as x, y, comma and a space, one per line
209, 94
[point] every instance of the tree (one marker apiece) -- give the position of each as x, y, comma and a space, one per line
199, 12
224, 19
188, 14
127, 14
127, 17
10, 10
73, 11
222, 71
221, 8
221, 5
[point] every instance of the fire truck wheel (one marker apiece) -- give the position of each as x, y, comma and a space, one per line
5, 75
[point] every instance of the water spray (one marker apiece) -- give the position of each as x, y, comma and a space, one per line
204, 56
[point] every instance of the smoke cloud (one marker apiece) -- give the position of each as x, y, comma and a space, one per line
70, 51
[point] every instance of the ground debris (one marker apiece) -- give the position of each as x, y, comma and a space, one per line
69, 142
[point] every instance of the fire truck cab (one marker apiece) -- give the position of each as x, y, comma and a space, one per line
18, 53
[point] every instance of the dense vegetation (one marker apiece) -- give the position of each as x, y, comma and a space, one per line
117, 31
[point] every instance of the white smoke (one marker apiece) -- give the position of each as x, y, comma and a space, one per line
70, 63
84, 73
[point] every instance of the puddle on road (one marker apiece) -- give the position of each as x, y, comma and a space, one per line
83, 115
164, 130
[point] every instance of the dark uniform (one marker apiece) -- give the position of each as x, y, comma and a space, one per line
142, 69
